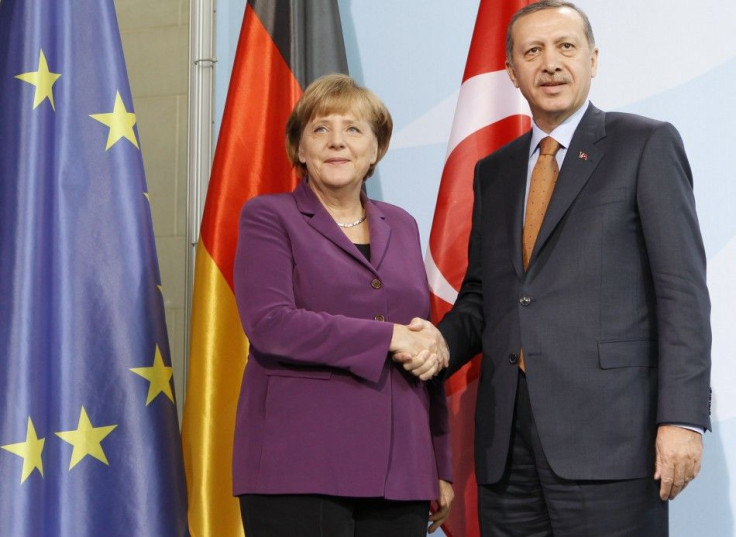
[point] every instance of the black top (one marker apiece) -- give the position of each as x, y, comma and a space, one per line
365, 249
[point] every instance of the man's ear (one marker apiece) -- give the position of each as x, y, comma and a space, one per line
512, 74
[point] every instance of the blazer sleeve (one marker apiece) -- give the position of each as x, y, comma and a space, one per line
462, 326
264, 293
677, 262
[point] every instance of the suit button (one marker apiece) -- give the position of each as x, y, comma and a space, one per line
379, 317
376, 284
513, 358
525, 300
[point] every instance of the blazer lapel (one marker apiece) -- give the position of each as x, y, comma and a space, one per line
580, 161
380, 231
318, 217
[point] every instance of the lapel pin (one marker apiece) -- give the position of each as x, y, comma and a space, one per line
583, 156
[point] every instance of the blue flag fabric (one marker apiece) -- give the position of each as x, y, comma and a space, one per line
89, 437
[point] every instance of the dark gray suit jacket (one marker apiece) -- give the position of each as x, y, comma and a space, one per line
613, 313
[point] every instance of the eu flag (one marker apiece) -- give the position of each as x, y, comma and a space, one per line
89, 438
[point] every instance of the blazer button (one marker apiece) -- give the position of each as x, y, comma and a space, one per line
525, 300
376, 284
513, 358
379, 317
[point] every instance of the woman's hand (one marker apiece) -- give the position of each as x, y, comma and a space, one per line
441, 506
420, 348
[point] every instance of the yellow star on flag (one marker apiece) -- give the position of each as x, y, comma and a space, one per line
30, 451
86, 440
159, 376
120, 122
44, 81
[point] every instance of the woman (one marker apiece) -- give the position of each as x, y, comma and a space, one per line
333, 438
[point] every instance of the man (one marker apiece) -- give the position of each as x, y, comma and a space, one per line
593, 321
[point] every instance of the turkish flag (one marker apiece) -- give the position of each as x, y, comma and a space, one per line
490, 113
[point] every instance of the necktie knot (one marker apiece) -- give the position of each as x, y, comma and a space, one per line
548, 146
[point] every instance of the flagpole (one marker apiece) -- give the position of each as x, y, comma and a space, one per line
201, 120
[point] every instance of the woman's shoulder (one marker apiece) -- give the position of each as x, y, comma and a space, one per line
392, 211
269, 203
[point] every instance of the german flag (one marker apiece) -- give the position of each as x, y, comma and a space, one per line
490, 113
284, 45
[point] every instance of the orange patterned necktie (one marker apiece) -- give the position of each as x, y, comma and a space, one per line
544, 177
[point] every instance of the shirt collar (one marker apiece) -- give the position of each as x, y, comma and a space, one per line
562, 133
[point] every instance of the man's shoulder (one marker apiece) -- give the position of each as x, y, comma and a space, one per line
633, 130
517, 146
629, 121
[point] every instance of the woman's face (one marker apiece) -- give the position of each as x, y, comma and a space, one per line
337, 150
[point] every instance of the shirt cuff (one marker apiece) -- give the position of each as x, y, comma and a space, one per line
689, 427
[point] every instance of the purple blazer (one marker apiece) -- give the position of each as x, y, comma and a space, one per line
323, 409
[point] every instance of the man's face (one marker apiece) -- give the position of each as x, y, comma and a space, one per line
552, 64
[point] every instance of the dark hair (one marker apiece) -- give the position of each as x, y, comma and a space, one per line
337, 93
539, 6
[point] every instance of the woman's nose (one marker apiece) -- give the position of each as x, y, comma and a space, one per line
336, 139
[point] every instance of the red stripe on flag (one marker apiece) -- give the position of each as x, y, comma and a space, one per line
448, 240
490, 31
250, 158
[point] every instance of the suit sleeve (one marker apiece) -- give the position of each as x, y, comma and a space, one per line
275, 326
677, 262
439, 423
462, 326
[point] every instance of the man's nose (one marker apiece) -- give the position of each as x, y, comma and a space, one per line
550, 61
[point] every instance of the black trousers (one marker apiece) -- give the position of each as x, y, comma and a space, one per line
532, 501
312, 515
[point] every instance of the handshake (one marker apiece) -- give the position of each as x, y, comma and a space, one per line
420, 348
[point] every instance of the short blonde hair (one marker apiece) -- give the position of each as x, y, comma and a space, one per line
337, 94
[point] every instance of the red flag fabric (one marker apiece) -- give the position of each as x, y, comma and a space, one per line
490, 113
284, 45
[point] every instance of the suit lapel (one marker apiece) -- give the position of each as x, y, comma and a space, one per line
318, 217
580, 161
515, 189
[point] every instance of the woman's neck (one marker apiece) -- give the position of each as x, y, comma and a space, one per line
346, 209
343, 204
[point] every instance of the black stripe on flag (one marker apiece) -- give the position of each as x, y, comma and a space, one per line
308, 34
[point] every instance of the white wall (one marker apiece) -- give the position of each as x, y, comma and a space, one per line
672, 60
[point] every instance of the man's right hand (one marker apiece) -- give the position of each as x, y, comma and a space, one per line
420, 348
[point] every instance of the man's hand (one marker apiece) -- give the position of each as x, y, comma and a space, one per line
679, 453
420, 348
439, 344
442, 506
